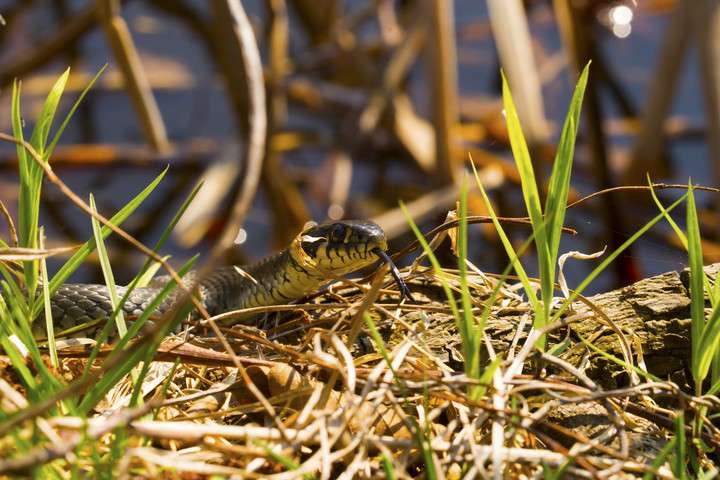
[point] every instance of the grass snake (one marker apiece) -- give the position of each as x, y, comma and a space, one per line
317, 252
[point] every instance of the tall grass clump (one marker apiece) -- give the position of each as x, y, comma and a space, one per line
26, 290
705, 329
704, 336
546, 225
547, 228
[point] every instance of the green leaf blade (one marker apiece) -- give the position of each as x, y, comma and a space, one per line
700, 357
560, 178
532, 203
47, 113
50, 148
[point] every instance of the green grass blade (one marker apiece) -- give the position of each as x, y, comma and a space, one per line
619, 361
514, 259
49, 325
708, 474
486, 376
137, 324
145, 274
549, 474
31, 175
8, 313
17, 123
470, 333
44, 121
148, 272
713, 291
701, 357
286, 462
14, 319
387, 467
13, 290
434, 261
30, 203
532, 203
168, 327
27, 209
112, 376
560, 177
678, 464
715, 387
678, 231
659, 461
153, 305
14, 322
707, 346
496, 291
25, 220
50, 148
107, 271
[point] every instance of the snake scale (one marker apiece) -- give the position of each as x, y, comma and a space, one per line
335, 248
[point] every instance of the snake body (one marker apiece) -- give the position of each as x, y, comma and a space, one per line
317, 252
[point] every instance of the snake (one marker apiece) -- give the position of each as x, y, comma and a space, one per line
318, 254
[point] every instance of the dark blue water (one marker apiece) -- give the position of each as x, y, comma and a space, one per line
198, 107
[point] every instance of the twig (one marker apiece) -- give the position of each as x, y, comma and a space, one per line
655, 186
11, 225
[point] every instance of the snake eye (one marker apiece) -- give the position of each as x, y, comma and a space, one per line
337, 233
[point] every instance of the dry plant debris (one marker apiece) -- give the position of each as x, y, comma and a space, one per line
312, 403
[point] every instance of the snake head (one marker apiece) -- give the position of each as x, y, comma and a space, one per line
342, 247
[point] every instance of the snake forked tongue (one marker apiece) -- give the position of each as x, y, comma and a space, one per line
404, 291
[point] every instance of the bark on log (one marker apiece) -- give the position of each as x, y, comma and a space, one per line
656, 310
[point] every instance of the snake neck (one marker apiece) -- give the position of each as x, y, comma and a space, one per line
276, 280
